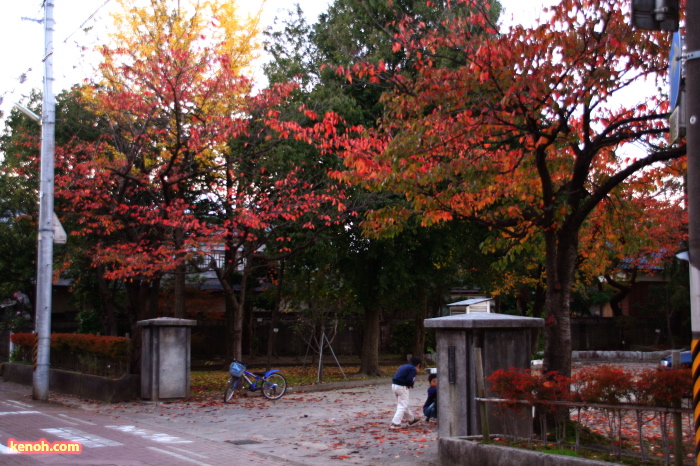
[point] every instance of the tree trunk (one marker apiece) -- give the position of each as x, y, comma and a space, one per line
143, 299
236, 340
229, 319
179, 291
107, 299
419, 326
369, 364
621, 293
560, 262
272, 335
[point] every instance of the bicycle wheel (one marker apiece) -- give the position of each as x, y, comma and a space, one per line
274, 386
230, 388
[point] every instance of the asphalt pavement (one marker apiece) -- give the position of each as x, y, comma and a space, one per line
347, 425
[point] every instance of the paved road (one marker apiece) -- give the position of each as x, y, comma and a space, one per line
345, 426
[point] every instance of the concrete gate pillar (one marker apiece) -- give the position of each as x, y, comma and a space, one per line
505, 342
165, 358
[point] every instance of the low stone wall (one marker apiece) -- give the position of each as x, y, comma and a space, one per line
87, 386
459, 451
620, 356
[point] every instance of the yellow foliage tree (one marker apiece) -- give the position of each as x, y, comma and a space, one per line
172, 77
201, 26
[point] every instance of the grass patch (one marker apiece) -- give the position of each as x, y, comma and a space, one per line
560, 451
210, 382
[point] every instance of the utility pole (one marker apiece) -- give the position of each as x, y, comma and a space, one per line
663, 15
692, 91
44, 276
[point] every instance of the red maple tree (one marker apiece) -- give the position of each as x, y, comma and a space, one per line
181, 172
523, 131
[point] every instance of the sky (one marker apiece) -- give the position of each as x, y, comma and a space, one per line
82, 24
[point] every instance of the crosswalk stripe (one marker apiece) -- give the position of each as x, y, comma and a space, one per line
24, 405
7, 451
7, 413
177, 455
150, 435
189, 452
85, 439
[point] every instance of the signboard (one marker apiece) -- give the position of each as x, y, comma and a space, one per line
675, 70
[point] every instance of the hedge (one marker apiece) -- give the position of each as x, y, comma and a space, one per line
116, 348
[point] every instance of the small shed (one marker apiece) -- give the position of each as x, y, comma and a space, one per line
471, 306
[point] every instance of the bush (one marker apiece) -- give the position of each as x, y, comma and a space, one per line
603, 384
663, 388
116, 348
89, 322
537, 388
609, 385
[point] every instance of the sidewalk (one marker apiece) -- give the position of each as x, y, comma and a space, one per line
347, 425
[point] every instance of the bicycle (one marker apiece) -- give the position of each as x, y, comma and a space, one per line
272, 384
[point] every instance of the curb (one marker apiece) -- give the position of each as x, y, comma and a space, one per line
338, 385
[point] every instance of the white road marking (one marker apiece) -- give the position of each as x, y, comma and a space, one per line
84, 438
63, 421
78, 420
7, 451
7, 413
188, 452
176, 455
149, 434
24, 405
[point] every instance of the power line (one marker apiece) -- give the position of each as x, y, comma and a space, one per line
85, 22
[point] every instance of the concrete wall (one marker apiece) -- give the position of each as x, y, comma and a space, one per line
459, 451
87, 386
501, 349
165, 358
505, 342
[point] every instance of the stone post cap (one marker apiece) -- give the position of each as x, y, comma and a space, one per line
484, 320
166, 322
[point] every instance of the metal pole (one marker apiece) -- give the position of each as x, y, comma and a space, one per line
46, 232
319, 379
333, 353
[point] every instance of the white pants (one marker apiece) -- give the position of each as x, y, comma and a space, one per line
403, 410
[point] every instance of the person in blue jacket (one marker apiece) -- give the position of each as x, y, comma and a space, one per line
430, 406
400, 384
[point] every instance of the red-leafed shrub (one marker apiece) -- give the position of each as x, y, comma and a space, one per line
609, 385
24, 339
663, 388
537, 388
603, 384
116, 348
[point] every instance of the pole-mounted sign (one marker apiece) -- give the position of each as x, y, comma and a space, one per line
676, 92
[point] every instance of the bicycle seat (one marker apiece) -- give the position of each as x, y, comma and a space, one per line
259, 374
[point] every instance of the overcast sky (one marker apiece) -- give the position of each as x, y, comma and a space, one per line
22, 40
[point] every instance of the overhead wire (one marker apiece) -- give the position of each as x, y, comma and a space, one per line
22, 78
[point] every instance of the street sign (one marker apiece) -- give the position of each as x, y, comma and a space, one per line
676, 70
676, 122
